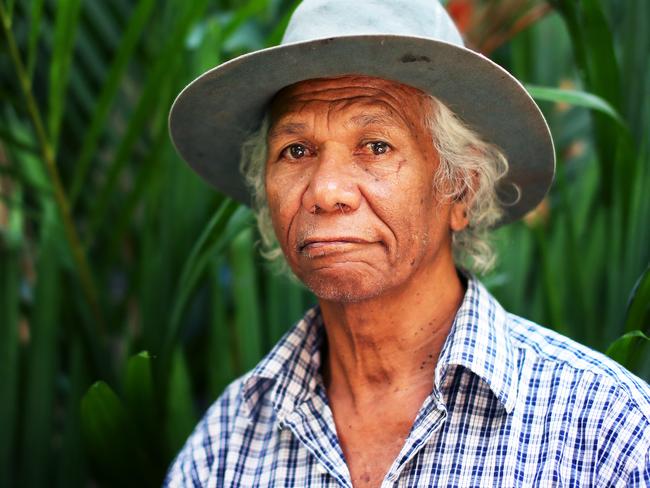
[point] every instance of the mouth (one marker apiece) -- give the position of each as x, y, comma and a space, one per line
325, 245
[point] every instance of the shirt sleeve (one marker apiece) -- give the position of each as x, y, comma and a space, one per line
625, 445
204, 452
640, 476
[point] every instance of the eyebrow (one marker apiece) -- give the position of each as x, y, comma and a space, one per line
377, 118
287, 128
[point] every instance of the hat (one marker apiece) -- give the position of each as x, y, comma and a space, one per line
413, 42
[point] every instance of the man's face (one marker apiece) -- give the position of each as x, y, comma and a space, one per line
349, 183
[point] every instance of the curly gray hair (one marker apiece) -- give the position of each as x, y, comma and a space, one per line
470, 169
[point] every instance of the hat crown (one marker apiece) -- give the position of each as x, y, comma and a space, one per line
319, 19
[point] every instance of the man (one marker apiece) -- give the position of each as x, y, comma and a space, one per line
408, 373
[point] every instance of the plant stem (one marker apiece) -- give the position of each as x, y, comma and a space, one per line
47, 153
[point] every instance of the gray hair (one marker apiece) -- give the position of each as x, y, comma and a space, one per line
470, 170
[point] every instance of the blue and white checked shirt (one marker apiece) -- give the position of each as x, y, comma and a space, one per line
513, 404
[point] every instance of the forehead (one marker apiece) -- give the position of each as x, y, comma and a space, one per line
361, 93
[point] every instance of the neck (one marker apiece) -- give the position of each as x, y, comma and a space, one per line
390, 344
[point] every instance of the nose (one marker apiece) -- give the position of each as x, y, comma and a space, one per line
332, 187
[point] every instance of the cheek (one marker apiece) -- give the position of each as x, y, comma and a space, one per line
285, 181
405, 198
278, 213
283, 194
408, 206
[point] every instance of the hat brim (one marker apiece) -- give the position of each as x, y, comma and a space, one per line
214, 114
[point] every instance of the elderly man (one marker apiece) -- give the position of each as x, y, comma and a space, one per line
408, 373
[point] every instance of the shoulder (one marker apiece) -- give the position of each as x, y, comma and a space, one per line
549, 349
246, 411
599, 404
207, 444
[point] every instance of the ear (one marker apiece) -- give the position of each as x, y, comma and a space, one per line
458, 219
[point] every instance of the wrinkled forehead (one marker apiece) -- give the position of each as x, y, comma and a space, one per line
374, 95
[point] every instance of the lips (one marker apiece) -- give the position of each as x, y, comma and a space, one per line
322, 245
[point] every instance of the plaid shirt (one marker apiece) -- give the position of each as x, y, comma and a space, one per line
513, 404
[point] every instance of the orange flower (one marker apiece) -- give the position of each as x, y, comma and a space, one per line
461, 11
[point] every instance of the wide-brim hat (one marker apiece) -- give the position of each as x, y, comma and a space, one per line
409, 41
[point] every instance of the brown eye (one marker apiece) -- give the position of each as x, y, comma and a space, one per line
295, 151
378, 147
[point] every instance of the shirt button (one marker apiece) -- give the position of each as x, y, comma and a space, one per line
321, 469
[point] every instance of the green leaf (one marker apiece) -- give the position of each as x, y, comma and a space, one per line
110, 434
549, 278
220, 358
247, 303
11, 141
23, 149
111, 85
577, 98
149, 170
278, 31
107, 429
11, 239
72, 470
283, 304
579, 313
594, 46
243, 14
634, 48
229, 219
161, 73
628, 349
35, 27
43, 358
180, 417
638, 308
67, 14
139, 393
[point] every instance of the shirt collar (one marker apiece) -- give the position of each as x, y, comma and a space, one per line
478, 340
291, 368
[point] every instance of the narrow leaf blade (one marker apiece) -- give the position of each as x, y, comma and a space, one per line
638, 309
627, 349
575, 97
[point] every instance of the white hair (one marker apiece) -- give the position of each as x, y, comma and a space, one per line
470, 169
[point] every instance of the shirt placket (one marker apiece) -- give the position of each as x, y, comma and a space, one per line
430, 419
313, 425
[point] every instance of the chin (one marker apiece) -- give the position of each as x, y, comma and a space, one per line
343, 286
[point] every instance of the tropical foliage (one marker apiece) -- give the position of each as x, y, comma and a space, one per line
131, 293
